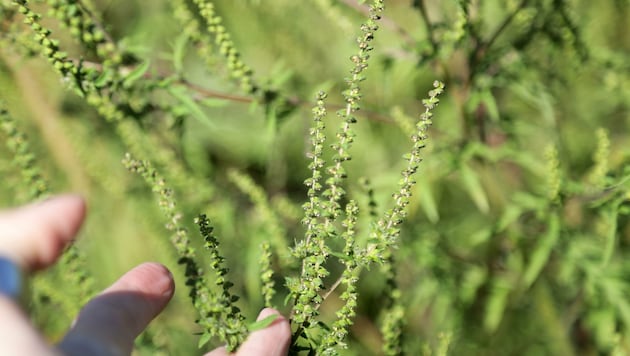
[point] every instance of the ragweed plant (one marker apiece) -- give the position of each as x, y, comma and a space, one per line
218, 316
321, 214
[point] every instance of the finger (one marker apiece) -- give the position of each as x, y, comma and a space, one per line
219, 351
35, 235
17, 336
109, 324
273, 340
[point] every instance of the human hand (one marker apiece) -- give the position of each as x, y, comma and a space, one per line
32, 237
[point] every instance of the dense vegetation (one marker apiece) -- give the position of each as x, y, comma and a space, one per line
278, 153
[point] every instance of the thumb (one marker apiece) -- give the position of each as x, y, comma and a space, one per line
109, 323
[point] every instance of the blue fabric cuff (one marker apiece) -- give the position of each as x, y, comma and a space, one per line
10, 279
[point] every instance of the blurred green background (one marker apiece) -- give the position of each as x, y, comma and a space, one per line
526, 81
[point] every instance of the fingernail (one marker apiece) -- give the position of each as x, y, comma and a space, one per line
166, 281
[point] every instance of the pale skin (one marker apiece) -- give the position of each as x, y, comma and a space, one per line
35, 235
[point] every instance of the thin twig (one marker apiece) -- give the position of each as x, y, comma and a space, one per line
427, 23
333, 287
504, 25
96, 21
482, 47
209, 93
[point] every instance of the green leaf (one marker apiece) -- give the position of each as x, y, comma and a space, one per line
204, 339
263, 323
324, 326
253, 106
341, 256
496, 304
542, 251
527, 201
479, 237
167, 82
483, 98
136, 74
179, 51
491, 104
537, 95
181, 93
510, 214
272, 121
426, 199
473, 187
103, 78
280, 74
611, 234
473, 279
602, 322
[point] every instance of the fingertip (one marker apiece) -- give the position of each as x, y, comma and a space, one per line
35, 235
155, 279
219, 351
273, 340
266, 312
63, 217
152, 280
74, 208
68, 202
113, 319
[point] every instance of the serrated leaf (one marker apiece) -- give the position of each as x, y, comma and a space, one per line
263, 323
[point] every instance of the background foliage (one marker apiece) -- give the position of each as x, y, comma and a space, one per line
518, 234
